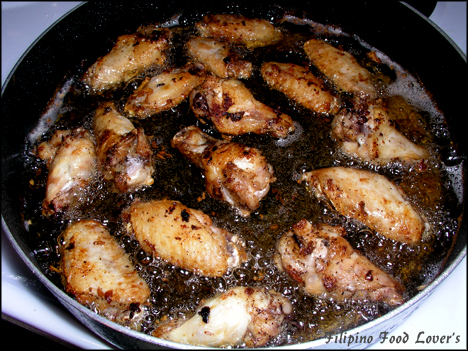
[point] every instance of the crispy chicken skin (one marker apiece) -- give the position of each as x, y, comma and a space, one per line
300, 85
131, 55
218, 58
237, 29
71, 158
98, 272
233, 110
234, 173
341, 68
326, 265
163, 91
368, 134
184, 237
369, 198
241, 316
124, 154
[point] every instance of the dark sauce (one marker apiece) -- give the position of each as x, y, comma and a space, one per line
177, 292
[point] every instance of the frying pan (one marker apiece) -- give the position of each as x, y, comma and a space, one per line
61, 50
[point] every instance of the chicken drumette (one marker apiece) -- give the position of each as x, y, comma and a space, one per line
72, 163
233, 110
124, 154
326, 265
241, 316
367, 133
218, 58
234, 173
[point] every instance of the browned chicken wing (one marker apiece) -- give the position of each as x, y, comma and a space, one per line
184, 237
163, 91
326, 265
241, 316
233, 110
371, 199
341, 68
124, 154
368, 134
300, 85
98, 272
239, 30
234, 173
131, 55
218, 58
71, 158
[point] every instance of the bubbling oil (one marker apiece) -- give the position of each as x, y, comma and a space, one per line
177, 292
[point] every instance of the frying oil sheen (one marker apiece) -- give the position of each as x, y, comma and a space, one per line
435, 191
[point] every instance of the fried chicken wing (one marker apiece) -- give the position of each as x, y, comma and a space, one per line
124, 154
368, 134
234, 173
71, 158
184, 237
218, 58
163, 91
341, 68
300, 85
98, 272
326, 265
369, 198
233, 110
238, 30
241, 316
131, 55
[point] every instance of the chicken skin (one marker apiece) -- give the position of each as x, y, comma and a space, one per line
367, 134
241, 316
237, 29
131, 56
163, 91
124, 154
233, 110
341, 68
184, 237
300, 85
234, 173
218, 58
369, 198
97, 271
326, 265
72, 163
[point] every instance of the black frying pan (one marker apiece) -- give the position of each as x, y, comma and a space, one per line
75, 42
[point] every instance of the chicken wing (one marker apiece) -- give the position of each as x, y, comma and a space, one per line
98, 272
124, 154
218, 58
367, 133
241, 316
341, 68
326, 265
238, 29
300, 85
131, 56
234, 173
369, 198
72, 160
233, 110
184, 237
163, 91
